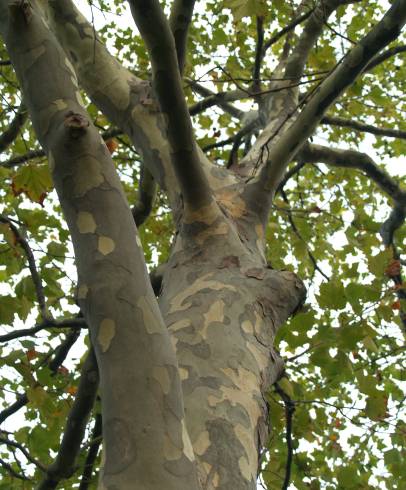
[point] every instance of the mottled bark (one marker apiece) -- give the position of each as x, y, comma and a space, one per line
223, 306
197, 419
143, 426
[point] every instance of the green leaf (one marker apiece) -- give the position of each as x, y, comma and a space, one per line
376, 406
332, 295
33, 180
286, 386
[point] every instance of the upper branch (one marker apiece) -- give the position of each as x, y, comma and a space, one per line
11, 133
311, 32
279, 155
179, 21
154, 29
147, 192
124, 98
275, 38
366, 128
353, 159
384, 56
256, 74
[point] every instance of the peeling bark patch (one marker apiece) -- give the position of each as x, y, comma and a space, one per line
85, 222
187, 445
105, 335
247, 326
184, 323
151, 322
244, 468
215, 314
161, 375
256, 273
105, 245
259, 230
91, 176
202, 443
248, 465
82, 291
183, 373
171, 452
121, 452
177, 303
232, 202
60, 104
206, 214
262, 358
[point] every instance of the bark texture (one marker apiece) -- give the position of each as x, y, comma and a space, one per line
183, 379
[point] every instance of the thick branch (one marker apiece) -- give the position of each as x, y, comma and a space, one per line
311, 32
256, 74
394, 221
131, 341
179, 21
220, 99
281, 153
167, 83
380, 58
124, 98
92, 453
365, 128
147, 192
353, 159
275, 38
14, 129
64, 464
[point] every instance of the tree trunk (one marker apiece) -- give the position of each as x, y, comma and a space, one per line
223, 305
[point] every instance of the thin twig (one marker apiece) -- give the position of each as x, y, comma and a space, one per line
49, 323
36, 278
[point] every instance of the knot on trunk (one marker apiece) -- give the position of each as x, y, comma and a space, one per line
21, 9
76, 124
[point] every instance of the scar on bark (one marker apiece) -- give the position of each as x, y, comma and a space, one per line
21, 8
76, 124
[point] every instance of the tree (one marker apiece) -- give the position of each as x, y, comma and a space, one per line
188, 366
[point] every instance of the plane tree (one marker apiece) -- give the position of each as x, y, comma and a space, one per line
172, 185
